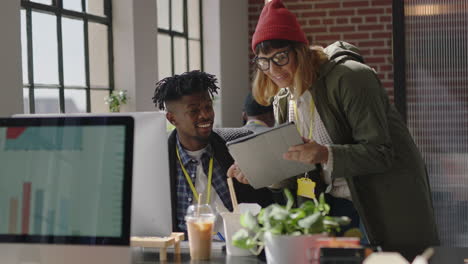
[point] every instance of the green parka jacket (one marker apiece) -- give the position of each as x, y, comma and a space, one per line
373, 149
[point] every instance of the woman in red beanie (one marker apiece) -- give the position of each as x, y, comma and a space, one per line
370, 162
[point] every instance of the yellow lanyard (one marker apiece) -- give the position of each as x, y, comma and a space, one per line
258, 122
298, 124
305, 185
187, 177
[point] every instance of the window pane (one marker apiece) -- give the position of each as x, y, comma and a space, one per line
44, 32
194, 52
73, 5
193, 10
164, 56
46, 100
97, 101
180, 55
178, 15
73, 52
47, 2
98, 56
24, 47
436, 92
75, 101
26, 101
95, 7
163, 14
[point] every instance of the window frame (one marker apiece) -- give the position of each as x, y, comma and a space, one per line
399, 57
185, 34
56, 8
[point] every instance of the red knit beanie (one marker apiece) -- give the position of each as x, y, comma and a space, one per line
277, 22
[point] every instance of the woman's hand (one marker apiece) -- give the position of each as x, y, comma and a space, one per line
310, 153
235, 172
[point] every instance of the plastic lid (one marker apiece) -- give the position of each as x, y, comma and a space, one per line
204, 211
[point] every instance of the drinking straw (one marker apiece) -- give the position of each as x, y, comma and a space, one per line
199, 204
233, 195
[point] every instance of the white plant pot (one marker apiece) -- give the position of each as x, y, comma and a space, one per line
292, 249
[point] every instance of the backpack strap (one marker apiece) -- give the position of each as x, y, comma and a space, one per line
347, 54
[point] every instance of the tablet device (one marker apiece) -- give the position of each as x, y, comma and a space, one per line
260, 156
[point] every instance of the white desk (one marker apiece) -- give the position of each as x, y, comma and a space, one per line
443, 255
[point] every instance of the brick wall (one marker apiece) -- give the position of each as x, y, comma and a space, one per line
364, 23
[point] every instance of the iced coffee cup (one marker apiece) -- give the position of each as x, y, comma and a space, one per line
200, 221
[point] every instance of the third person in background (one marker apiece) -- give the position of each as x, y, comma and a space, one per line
258, 117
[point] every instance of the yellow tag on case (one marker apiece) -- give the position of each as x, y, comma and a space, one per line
306, 187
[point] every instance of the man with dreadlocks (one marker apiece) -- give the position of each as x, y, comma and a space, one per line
198, 156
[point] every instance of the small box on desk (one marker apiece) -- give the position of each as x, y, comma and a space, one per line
341, 255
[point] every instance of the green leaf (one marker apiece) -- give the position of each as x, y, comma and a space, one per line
342, 220
322, 199
308, 207
277, 229
278, 212
297, 214
241, 239
326, 209
261, 216
331, 223
264, 217
248, 221
290, 198
240, 234
308, 221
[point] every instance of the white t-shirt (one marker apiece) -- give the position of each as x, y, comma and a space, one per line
320, 135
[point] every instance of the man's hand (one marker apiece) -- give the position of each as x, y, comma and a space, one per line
235, 172
310, 153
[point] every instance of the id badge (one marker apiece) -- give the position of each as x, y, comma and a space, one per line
306, 187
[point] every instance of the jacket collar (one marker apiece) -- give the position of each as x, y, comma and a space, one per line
185, 157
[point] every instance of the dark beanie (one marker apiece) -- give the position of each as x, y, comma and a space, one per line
277, 22
252, 108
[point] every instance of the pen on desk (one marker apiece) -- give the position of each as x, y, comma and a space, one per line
221, 237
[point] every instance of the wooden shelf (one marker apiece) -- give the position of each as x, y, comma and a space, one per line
159, 242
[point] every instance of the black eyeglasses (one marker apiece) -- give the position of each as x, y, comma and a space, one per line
280, 58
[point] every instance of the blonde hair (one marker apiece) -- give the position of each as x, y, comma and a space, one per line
308, 61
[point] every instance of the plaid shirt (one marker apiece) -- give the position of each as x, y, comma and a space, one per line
184, 193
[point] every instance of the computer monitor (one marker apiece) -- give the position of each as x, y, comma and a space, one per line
65, 189
151, 195
151, 202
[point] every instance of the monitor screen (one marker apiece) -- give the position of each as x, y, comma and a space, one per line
66, 180
151, 191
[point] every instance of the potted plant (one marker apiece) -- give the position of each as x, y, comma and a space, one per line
116, 99
288, 234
